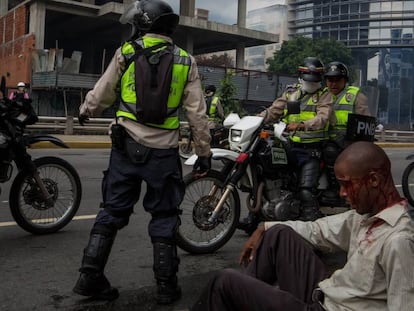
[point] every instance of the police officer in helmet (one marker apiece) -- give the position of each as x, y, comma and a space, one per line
144, 151
308, 124
347, 99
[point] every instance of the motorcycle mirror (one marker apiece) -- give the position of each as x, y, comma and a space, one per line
293, 107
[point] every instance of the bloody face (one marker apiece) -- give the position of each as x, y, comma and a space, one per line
367, 192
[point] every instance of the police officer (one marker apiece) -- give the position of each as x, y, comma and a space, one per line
144, 152
347, 99
214, 108
309, 128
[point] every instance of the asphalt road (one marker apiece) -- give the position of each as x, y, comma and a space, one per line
38, 272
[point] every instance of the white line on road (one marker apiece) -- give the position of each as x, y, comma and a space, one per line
81, 217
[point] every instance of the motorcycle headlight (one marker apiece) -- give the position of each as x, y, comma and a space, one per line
235, 135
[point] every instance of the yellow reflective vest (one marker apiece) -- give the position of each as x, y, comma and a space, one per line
180, 70
343, 105
213, 108
308, 104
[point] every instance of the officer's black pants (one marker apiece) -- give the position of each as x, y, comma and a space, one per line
121, 189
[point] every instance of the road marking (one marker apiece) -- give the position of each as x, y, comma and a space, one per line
81, 217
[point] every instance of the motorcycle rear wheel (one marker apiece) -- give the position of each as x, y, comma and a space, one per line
408, 183
195, 235
28, 207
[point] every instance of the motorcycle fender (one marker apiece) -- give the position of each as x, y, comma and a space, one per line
218, 154
35, 138
410, 156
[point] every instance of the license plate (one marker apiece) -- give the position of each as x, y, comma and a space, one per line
279, 156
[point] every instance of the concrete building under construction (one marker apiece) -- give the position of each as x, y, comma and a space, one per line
61, 47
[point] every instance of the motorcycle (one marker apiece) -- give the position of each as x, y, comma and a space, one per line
219, 139
46, 192
258, 163
408, 180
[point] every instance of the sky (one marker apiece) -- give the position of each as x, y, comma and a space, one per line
225, 14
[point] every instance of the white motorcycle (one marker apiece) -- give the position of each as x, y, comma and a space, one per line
258, 163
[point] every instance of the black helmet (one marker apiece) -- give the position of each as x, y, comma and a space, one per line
151, 15
336, 69
311, 70
210, 88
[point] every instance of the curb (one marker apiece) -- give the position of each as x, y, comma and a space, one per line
74, 145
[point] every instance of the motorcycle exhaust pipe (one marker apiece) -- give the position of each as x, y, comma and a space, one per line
258, 204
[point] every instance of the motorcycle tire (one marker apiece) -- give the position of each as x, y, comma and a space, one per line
408, 183
28, 207
195, 235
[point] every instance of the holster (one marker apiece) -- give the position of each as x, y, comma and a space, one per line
118, 135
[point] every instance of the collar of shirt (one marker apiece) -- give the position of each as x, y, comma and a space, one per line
156, 35
390, 215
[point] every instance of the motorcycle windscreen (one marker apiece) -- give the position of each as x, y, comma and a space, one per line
360, 127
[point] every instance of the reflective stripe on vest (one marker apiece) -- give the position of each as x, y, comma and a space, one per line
344, 105
307, 112
213, 108
180, 70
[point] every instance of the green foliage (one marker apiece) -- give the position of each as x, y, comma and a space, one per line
228, 93
223, 60
292, 53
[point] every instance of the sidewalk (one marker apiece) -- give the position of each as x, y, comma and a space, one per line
104, 141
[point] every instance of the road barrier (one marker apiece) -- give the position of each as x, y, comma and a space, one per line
99, 126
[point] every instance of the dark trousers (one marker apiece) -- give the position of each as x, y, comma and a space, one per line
121, 189
281, 277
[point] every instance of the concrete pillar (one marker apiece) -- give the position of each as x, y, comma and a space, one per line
241, 13
189, 43
240, 55
241, 22
4, 5
187, 8
37, 23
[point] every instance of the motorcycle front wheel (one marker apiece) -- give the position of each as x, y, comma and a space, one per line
196, 235
186, 149
28, 206
408, 183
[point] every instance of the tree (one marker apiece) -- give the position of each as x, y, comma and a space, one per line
228, 93
292, 53
223, 60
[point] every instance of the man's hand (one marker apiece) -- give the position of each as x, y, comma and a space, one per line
202, 166
83, 118
293, 127
250, 247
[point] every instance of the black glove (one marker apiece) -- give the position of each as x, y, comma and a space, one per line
202, 165
83, 118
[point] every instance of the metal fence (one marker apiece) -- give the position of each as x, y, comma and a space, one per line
99, 126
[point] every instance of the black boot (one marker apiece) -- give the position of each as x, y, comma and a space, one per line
92, 281
310, 206
249, 223
165, 268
